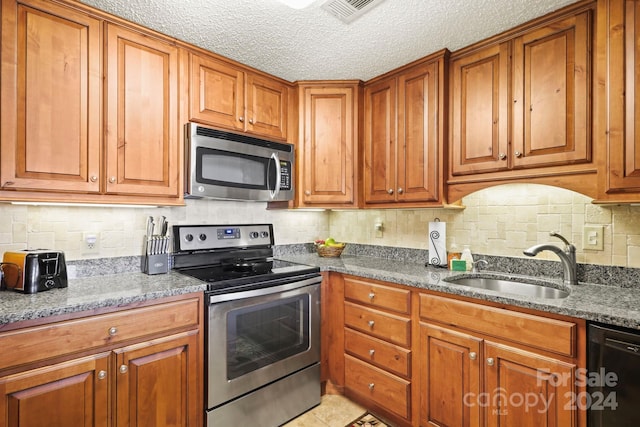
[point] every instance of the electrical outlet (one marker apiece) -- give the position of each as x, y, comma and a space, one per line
593, 238
379, 228
91, 243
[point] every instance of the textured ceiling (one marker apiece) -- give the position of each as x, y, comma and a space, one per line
311, 44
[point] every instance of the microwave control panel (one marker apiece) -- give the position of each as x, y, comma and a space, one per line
285, 175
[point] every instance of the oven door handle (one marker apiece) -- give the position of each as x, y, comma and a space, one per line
268, 290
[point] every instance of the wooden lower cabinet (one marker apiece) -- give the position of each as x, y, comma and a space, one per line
151, 381
72, 393
481, 373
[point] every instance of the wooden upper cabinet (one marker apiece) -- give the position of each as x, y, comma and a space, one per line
228, 96
479, 111
142, 138
619, 106
552, 77
420, 134
404, 133
51, 83
380, 141
524, 100
328, 143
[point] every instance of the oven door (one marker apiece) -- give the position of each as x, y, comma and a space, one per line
259, 336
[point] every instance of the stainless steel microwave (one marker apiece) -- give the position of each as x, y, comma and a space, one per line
223, 165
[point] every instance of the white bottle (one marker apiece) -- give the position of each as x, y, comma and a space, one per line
467, 257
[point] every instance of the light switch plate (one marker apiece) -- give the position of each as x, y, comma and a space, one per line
593, 238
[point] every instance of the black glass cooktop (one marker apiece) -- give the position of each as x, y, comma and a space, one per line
254, 273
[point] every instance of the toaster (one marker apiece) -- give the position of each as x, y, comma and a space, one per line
32, 271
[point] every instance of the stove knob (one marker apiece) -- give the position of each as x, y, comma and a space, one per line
253, 235
188, 237
202, 237
264, 234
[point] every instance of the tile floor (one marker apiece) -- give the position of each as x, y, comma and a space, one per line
334, 411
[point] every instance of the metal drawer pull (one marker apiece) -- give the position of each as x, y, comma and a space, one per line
102, 375
390, 191
490, 361
502, 156
371, 386
113, 330
372, 295
473, 355
371, 323
123, 369
93, 178
371, 352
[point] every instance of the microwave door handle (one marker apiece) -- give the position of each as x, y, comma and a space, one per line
274, 157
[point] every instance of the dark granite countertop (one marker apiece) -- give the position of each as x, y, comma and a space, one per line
616, 305
88, 293
602, 303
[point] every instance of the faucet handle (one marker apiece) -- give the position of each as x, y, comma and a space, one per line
559, 236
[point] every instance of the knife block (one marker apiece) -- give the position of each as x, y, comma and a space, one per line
155, 264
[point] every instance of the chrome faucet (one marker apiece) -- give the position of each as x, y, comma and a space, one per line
567, 257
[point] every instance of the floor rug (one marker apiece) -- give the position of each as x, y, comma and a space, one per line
367, 420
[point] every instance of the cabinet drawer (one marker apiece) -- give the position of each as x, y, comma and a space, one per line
385, 389
58, 339
377, 295
383, 325
553, 335
377, 352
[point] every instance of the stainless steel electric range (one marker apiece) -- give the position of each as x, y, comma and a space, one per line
262, 337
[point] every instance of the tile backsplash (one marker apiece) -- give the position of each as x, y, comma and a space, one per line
500, 221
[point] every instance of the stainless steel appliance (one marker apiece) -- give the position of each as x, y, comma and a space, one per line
614, 377
224, 165
31, 271
263, 324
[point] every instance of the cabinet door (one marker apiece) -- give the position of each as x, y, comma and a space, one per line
449, 377
267, 107
552, 94
526, 389
157, 383
51, 83
479, 111
328, 144
380, 141
142, 114
623, 103
419, 135
216, 93
73, 393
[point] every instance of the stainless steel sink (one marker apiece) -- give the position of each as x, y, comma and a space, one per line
511, 286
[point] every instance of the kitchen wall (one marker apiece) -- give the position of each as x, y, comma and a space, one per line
501, 221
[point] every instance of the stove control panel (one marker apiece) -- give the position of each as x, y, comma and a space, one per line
211, 237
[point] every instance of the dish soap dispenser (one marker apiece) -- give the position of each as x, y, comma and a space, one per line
467, 257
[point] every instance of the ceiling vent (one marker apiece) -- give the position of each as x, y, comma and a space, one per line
349, 10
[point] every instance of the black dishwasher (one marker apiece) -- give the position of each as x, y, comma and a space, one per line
614, 377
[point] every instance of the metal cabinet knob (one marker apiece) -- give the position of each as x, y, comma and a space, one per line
372, 295
400, 190
102, 375
112, 180
473, 355
390, 191
241, 119
250, 121
371, 323
93, 178
371, 386
372, 352
113, 330
307, 193
518, 154
502, 156
123, 369
490, 361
